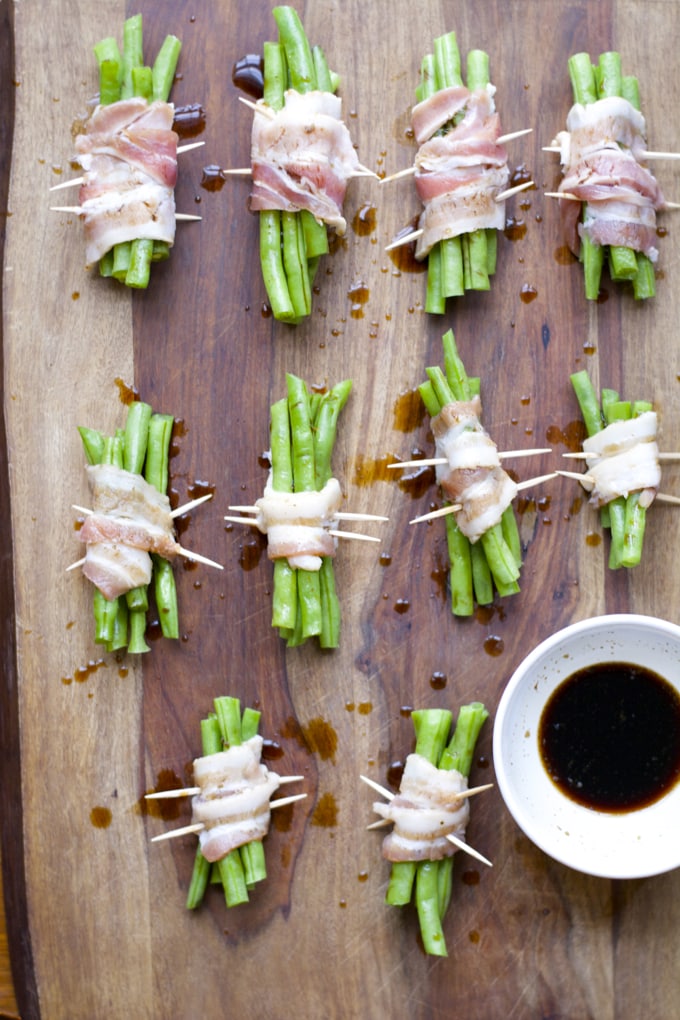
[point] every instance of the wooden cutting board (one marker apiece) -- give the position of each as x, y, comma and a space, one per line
96, 914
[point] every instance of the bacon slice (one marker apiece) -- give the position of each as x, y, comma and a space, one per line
302, 157
601, 153
623, 458
427, 808
458, 173
472, 475
130, 520
296, 523
129, 155
233, 803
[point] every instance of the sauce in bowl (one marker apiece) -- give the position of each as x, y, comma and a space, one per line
609, 737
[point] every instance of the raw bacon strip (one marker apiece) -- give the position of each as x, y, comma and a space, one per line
473, 475
233, 804
623, 458
296, 523
129, 155
611, 198
460, 173
130, 516
623, 472
426, 810
302, 157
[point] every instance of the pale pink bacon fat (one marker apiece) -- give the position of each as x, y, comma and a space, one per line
130, 520
459, 173
302, 157
472, 475
297, 524
623, 458
427, 809
233, 803
129, 154
601, 153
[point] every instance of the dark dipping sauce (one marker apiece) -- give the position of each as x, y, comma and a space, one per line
609, 737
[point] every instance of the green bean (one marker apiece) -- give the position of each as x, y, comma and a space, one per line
460, 569
430, 882
93, 443
499, 555
295, 264
136, 436
121, 77
291, 243
136, 642
590, 83
326, 429
139, 268
133, 55
296, 46
427, 905
271, 263
156, 470
623, 516
142, 83
105, 611
165, 592
164, 67
482, 581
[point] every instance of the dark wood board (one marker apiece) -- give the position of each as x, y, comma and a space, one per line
96, 916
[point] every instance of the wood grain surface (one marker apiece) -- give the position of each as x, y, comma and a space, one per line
96, 918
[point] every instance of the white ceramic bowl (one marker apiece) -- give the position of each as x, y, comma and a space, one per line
635, 844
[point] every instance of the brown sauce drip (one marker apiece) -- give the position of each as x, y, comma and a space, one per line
247, 74
127, 394
189, 120
326, 812
365, 220
358, 296
571, 436
408, 411
494, 645
83, 673
321, 738
515, 229
212, 178
101, 817
414, 481
564, 256
394, 773
171, 808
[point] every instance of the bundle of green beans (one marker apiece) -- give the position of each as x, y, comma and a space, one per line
623, 516
590, 83
429, 882
467, 261
496, 559
121, 76
291, 243
143, 448
302, 434
245, 866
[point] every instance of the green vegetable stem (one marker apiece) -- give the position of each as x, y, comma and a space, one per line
122, 75
302, 434
623, 517
429, 882
142, 447
495, 560
590, 83
465, 262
